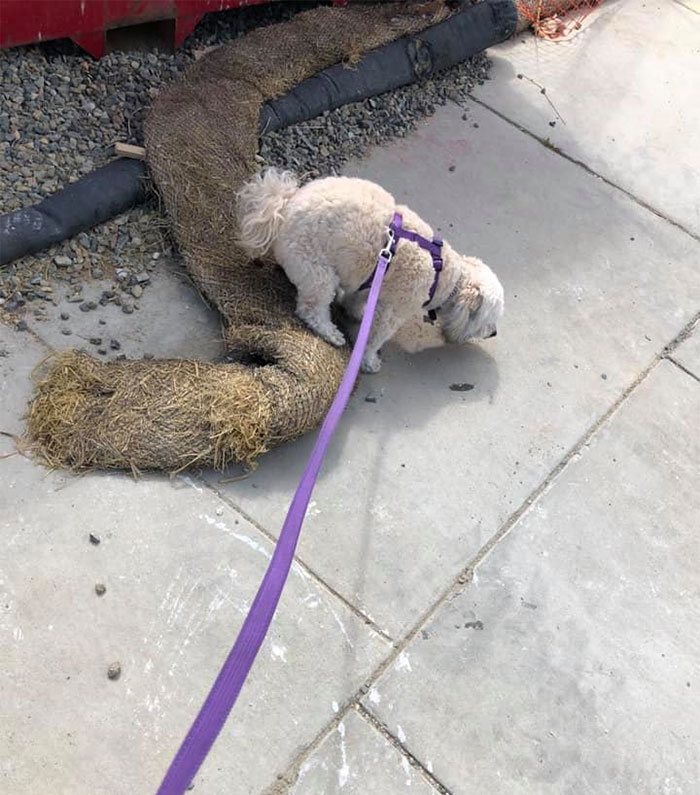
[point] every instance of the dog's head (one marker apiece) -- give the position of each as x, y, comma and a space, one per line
476, 307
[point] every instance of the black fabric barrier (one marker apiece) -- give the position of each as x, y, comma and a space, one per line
116, 187
99, 196
399, 63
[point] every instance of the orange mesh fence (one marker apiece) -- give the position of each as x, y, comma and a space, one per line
554, 19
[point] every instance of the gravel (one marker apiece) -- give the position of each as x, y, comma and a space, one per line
322, 146
61, 112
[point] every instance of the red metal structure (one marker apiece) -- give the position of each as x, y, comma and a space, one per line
88, 22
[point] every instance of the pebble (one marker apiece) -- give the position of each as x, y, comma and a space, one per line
62, 261
65, 316
137, 291
100, 588
95, 340
115, 345
66, 332
127, 307
94, 539
114, 671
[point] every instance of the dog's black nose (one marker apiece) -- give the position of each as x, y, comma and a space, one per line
493, 334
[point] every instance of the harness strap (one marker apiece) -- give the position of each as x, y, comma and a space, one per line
433, 247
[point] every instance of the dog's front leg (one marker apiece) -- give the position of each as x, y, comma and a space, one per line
387, 321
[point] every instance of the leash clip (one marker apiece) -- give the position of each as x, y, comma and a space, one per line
388, 251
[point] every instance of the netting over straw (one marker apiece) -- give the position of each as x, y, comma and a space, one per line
554, 19
201, 140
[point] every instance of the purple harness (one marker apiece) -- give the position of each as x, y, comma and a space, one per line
433, 247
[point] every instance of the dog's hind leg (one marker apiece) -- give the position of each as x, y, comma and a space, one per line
354, 304
314, 299
387, 321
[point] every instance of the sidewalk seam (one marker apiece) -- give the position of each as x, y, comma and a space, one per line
464, 577
382, 729
682, 368
304, 566
585, 167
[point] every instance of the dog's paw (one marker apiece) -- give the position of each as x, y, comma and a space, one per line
334, 336
371, 364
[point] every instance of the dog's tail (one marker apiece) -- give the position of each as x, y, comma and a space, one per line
260, 209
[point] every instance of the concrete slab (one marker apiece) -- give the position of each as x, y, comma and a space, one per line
419, 478
357, 760
569, 664
20, 353
180, 569
172, 320
624, 100
688, 353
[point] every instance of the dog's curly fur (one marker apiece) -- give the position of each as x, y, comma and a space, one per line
326, 236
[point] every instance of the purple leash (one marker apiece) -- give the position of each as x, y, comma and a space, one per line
228, 684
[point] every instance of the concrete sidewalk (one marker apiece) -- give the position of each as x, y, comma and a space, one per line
496, 590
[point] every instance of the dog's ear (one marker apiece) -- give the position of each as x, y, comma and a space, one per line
472, 297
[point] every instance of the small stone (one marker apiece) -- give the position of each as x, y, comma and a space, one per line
74, 299
100, 588
461, 387
21, 325
114, 671
552, 124
65, 316
115, 345
155, 255
143, 277
127, 307
475, 125
95, 340
97, 273
604, 376
148, 356
62, 261
102, 321
94, 539
371, 399
452, 168
66, 332
137, 291
465, 117
102, 351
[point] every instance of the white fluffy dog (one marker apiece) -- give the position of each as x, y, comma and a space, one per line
327, 236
